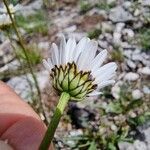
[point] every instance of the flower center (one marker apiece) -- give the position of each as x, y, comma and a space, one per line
68, 79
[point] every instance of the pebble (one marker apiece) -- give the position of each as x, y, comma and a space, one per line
116, 91
137, 94
146, 89
119, 27
119, 14
117, 38
131, 76
129, 33
144, 71
24, 89
131, 64
139, 145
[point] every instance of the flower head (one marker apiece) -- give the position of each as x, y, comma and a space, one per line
76, 69
12, 9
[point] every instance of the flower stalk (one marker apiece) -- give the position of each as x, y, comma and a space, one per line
64, 98
27, 57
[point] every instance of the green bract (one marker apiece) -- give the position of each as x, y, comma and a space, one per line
76, 83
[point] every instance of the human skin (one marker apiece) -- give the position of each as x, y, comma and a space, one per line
20, 126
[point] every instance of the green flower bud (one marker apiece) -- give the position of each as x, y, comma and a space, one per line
76, 83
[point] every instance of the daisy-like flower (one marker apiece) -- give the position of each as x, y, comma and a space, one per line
12, 8
76, 68
5, 20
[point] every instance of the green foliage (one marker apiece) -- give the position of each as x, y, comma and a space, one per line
35, 23
139, 120
104, 5
94, 34
117, 55
33, 55
85, 6
144, 38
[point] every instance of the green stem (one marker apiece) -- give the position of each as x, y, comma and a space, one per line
64, 98
21, 41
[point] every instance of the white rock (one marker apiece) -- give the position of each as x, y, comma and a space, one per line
70, 29
117, 38
22, 87
131, 76
44, 45
131, 64
144, 70
137, 94
140, 145
137, 12
137, 57
125, 146
127, 4
146, 89
111, 1
129, 33
146, 2
113, 127
119, 26
107, 27
116, 90
119, 14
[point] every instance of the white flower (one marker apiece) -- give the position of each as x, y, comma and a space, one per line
76, 69
12, 8
5, 20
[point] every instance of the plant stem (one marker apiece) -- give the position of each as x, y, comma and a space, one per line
64, 98
27, 58
23, 47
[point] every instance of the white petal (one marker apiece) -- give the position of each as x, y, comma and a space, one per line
62, 48
106, 68
105, 83
87, 55
94, 93
104, 77
55, 54
98, 60
47, 65
70, 47
80, 47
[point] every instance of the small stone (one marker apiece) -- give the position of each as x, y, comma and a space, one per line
119, 14
125, 146
144, 70
131, 76
43, 45
119, 27
70, 29
116, 90
140, 145
146, 89
113, 127
131, 64
137, 12
129, 33
137, 94
116, 38
109, 2
127, 4
107, 27
146, 2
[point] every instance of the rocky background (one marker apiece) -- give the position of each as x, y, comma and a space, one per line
120, 118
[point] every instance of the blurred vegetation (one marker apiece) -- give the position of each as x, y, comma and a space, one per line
144, 37
35, 23
33, 54
94, 34
116, 121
